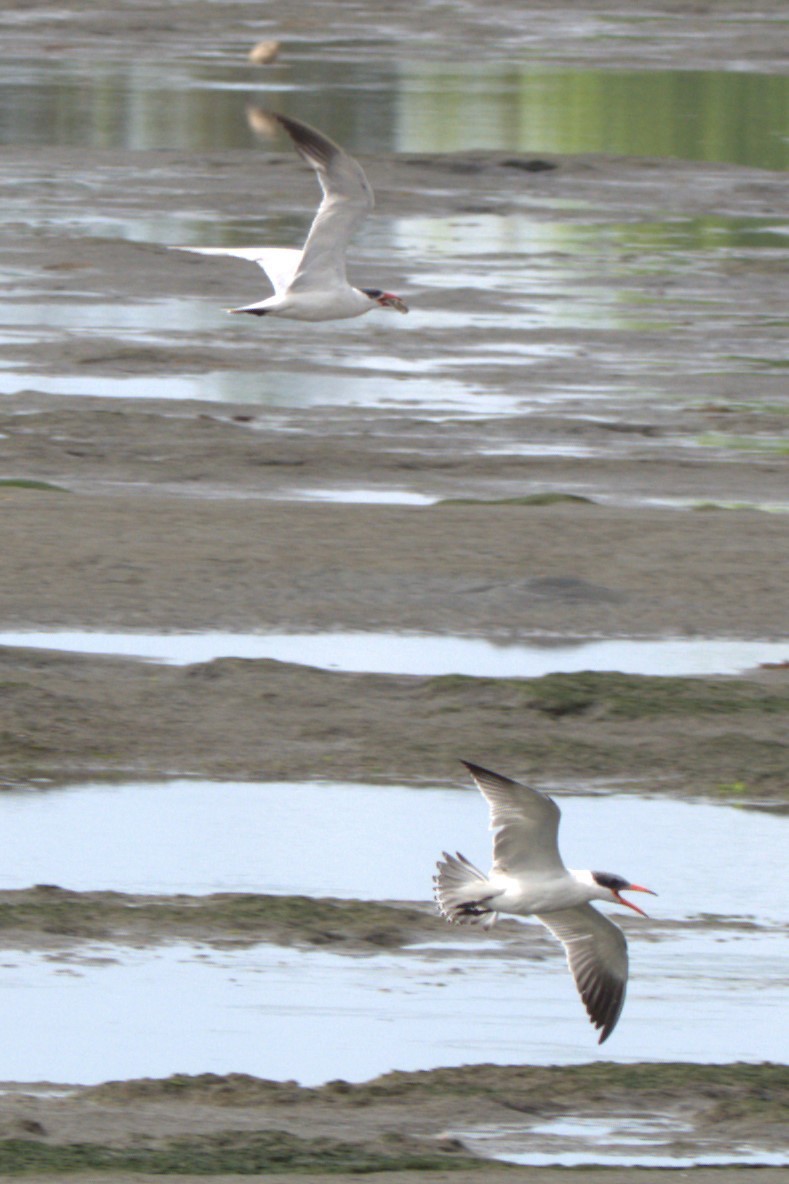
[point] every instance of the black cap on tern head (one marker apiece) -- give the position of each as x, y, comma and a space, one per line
609, 880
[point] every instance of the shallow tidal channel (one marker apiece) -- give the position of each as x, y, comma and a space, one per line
707, 974
425, 654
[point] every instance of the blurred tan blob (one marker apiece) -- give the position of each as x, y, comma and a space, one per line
260, 122
264, 52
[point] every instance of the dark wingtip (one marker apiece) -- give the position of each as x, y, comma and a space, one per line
479, 771
474, 769
311, 143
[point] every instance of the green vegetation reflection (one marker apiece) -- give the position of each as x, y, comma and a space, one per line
707, 115
690, 114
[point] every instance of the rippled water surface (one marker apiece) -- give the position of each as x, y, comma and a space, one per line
315, 1016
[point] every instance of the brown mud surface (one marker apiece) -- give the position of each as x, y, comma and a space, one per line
67, 716
47, 917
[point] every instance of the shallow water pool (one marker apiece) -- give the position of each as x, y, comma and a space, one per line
621, 1140
376, 842
113, 1012
425, 654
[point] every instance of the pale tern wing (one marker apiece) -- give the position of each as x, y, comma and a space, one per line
279, 263
347, 199
526, 823
597, 956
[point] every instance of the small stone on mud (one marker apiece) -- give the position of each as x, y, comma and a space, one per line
264, 52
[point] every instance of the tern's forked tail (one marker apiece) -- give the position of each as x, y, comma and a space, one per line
462, 892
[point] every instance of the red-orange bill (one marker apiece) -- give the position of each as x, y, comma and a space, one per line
628, 904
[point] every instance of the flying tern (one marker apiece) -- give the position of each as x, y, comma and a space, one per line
311, 284
528, 878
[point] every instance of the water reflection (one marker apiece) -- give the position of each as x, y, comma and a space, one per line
506, 279
690, 114
292, 388
407, 107
510, 235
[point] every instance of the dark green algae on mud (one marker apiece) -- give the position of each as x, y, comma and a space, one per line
50, 915
723, 1102
232, 1151
68, 717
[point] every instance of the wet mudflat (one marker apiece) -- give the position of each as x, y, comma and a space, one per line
236, 1123
593, 371
107, 717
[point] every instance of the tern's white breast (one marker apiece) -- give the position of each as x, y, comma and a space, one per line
322, 304
538, 894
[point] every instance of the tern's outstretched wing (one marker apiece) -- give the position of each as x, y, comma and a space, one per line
347, 199
279, 263
597, 956
526, 823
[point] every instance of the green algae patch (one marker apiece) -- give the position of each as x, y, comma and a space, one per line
232, 1151
623, 696
684, 735
27, 483
744, 1088
228, 917
529, 499
774, 445
739, 1089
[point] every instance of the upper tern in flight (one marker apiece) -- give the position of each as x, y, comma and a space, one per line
311, 284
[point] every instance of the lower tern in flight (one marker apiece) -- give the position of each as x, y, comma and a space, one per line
528, 878
311, 284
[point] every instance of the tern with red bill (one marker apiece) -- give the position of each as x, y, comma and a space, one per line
528, 878
311, 284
